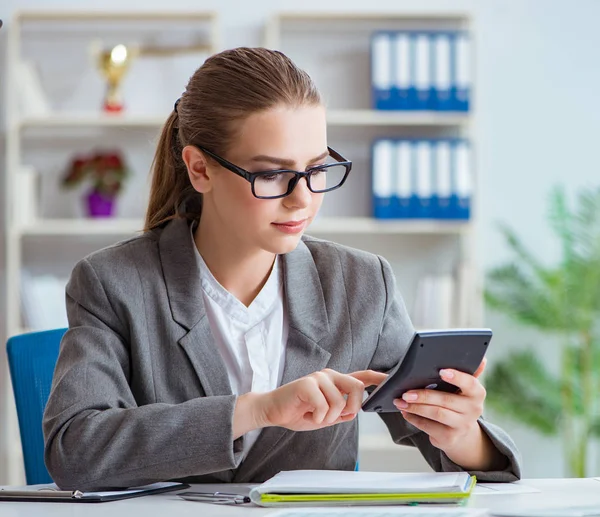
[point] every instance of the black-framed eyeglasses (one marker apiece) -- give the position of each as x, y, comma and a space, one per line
281, 182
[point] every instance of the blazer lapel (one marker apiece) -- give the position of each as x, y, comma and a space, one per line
199, 345
184, 289
307, 316
306, 350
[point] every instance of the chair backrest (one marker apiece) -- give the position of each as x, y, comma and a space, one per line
31, 359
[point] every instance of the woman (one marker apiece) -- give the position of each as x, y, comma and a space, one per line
222, 345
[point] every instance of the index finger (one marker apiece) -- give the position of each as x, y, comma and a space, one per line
353, 387
369, 377
466, 382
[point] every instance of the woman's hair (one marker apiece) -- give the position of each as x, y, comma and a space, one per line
226, 89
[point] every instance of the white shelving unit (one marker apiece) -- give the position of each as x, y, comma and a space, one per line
22, 129
73, 124
334, 48
411, 246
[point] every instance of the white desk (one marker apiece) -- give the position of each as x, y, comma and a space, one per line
554, 492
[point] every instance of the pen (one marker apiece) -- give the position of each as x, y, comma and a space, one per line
215, 497
43, 492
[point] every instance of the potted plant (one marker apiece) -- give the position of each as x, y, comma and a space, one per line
107, 173
562, 301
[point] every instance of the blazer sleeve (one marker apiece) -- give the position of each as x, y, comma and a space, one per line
96, 435
394, 338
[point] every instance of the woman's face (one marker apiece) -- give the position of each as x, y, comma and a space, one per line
280, 138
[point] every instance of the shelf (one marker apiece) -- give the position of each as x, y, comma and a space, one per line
78, 120
326, 225
395, 118
82, 227
314, 16
334, 118
368, 225
96, 15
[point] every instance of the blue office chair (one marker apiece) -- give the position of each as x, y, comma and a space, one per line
31, 359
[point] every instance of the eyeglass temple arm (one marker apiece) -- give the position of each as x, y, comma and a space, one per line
336, 155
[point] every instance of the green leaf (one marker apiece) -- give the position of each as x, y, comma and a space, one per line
586, 224
572, 364
521, 388
595, 429
560, 218
523, 255
564, 297
513, 291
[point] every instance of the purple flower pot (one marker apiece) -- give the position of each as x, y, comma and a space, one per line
99, 205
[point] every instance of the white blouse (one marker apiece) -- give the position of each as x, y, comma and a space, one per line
251, 340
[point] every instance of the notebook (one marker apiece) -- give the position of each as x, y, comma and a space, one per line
336, 487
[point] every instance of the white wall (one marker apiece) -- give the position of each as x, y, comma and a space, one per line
537, 81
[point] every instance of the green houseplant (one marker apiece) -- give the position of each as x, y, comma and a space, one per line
561, 301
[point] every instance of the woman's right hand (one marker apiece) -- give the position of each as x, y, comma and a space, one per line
318, 400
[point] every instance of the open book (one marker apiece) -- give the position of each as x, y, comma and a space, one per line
323, 487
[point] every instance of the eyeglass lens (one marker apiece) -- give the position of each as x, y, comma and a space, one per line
320, 180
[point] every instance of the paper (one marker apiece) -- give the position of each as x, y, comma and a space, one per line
347, 482
555, 511
386, 512
503, 488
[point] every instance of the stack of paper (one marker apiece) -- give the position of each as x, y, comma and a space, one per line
323, 487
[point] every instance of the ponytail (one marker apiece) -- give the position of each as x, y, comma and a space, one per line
171, 193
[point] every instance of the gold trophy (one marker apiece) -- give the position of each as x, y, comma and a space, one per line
114, 63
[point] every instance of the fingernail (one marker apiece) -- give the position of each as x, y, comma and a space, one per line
401, 404
410, 396
447, 373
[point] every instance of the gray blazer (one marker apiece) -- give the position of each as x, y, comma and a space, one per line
140, 393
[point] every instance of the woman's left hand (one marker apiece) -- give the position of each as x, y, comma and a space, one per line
450, 419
